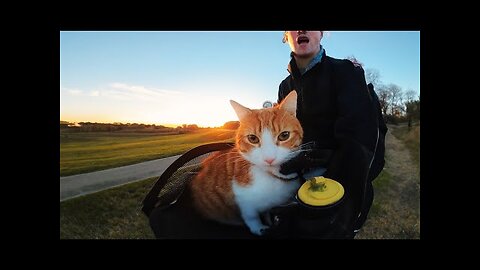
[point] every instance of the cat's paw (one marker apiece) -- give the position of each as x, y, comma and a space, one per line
261, 230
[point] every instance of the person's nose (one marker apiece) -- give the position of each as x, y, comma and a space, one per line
301, 32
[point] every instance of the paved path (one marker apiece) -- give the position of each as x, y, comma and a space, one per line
81, 184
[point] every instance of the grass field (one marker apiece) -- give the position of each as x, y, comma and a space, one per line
93, 151
395, 213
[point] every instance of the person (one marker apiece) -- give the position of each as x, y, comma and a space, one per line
340, 127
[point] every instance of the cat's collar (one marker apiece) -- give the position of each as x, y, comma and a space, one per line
282, 178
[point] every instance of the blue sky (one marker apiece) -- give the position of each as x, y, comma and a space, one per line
189, 77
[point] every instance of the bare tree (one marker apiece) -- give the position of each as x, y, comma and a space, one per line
410, 95
395, 97
401, 108
384, 97
372, 76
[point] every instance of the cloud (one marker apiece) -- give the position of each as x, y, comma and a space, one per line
78, 92
123, 91
140, 92
94, 93
74, 92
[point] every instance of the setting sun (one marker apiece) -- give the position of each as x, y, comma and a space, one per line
124, 103
205, 112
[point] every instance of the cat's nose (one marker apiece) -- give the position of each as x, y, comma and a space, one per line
269, 161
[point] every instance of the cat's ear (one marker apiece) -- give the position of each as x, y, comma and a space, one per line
240, 110
289, 103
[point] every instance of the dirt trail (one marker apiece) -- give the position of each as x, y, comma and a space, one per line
395, 213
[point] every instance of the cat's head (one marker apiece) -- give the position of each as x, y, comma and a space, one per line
269, 137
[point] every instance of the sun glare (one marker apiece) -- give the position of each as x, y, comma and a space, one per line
204, 112
208, 112
125, 103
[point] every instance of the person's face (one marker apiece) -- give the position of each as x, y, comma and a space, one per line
304, 43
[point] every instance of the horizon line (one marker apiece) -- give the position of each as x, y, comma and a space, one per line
172, 125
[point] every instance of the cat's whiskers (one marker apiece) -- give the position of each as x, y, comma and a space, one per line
296, 152
305, 147
307, 144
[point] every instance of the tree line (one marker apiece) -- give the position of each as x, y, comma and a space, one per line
397, 104
125, 127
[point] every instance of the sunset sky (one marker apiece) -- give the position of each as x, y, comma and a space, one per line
189, 77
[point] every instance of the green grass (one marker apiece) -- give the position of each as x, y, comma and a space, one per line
380, 186
93, 151
110, 214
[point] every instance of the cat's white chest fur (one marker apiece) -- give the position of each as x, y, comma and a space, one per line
263, 193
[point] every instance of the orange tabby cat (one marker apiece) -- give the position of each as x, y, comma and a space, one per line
236, 185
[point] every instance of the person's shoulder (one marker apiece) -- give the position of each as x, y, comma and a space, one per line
284, 88
342, 63
346, 66
286, 80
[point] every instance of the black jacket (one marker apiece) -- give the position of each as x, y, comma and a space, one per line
336, 111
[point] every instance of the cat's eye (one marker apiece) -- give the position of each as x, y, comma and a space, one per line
284, 136
253, 139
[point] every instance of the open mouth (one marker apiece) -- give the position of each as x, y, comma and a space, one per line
302, 39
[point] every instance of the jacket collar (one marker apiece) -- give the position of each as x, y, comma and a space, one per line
295, 71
